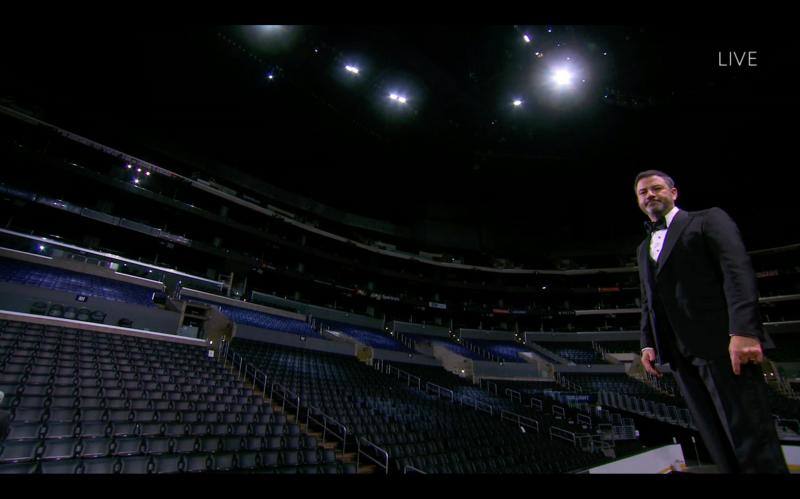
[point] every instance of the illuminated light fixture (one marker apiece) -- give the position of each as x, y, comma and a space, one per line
129, 167
136, 181
517, 102
270, 76
539, 54
562, 77
138, 170
41, 247
352, 69
549, 30
398, 98
148, 173
544, 288
605, 53
526, 38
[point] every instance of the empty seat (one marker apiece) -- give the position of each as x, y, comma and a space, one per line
63, 467
26, 431
225, 461
89, 448
126, 446
158, 445
185, 445
270, 458
102, 466
20, 451
247, 460
196, 463
136, 465
168, 464
60, 449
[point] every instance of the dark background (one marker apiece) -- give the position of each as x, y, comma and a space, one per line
459, 165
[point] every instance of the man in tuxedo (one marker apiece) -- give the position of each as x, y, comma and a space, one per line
700, 315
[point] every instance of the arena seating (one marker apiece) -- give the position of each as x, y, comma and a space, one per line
43, 276
416, 428
787, 348
90, 402
369, 337
506, 351
264, 320
579, 353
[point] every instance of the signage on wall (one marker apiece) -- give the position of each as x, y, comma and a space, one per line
81, 298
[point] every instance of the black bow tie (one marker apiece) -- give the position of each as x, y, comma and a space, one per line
659, 224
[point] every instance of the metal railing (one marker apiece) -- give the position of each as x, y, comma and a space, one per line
520, 420
562, 434
584, 419
415, 470
326, 423
260, 380
536, 404
359, 452
400, 373
513, 395
429, 386
478, 405
559, 412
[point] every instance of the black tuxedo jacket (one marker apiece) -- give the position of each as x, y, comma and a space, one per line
704, 283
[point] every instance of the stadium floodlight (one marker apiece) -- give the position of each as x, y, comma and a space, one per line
352, 69
562, 77
526, 38
517, 102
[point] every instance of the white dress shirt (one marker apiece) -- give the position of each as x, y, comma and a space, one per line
659, 236
657, 242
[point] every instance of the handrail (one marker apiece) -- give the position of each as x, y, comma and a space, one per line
511, 394
409, 467
439, 390
325, 429
409, 376
557, 411
520, 420
584, 419
385, 466
536, 404
253, 371
563, 434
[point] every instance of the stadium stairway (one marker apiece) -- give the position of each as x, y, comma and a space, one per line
278, 408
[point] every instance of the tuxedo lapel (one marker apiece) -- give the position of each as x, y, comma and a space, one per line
644, 266
674, 231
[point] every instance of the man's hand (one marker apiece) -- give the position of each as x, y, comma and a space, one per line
744, 349
648, 358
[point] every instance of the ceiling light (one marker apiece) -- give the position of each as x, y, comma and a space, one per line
526, 38
562, 77
352, 69
517, 103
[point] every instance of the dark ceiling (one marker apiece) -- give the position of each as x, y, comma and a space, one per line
562, 163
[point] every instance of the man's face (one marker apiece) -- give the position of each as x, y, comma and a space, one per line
655, 197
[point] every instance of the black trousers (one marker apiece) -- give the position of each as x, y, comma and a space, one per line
731, 413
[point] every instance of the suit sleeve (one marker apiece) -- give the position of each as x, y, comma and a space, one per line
646, 330
739, 279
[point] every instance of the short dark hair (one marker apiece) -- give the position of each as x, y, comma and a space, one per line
654, 173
